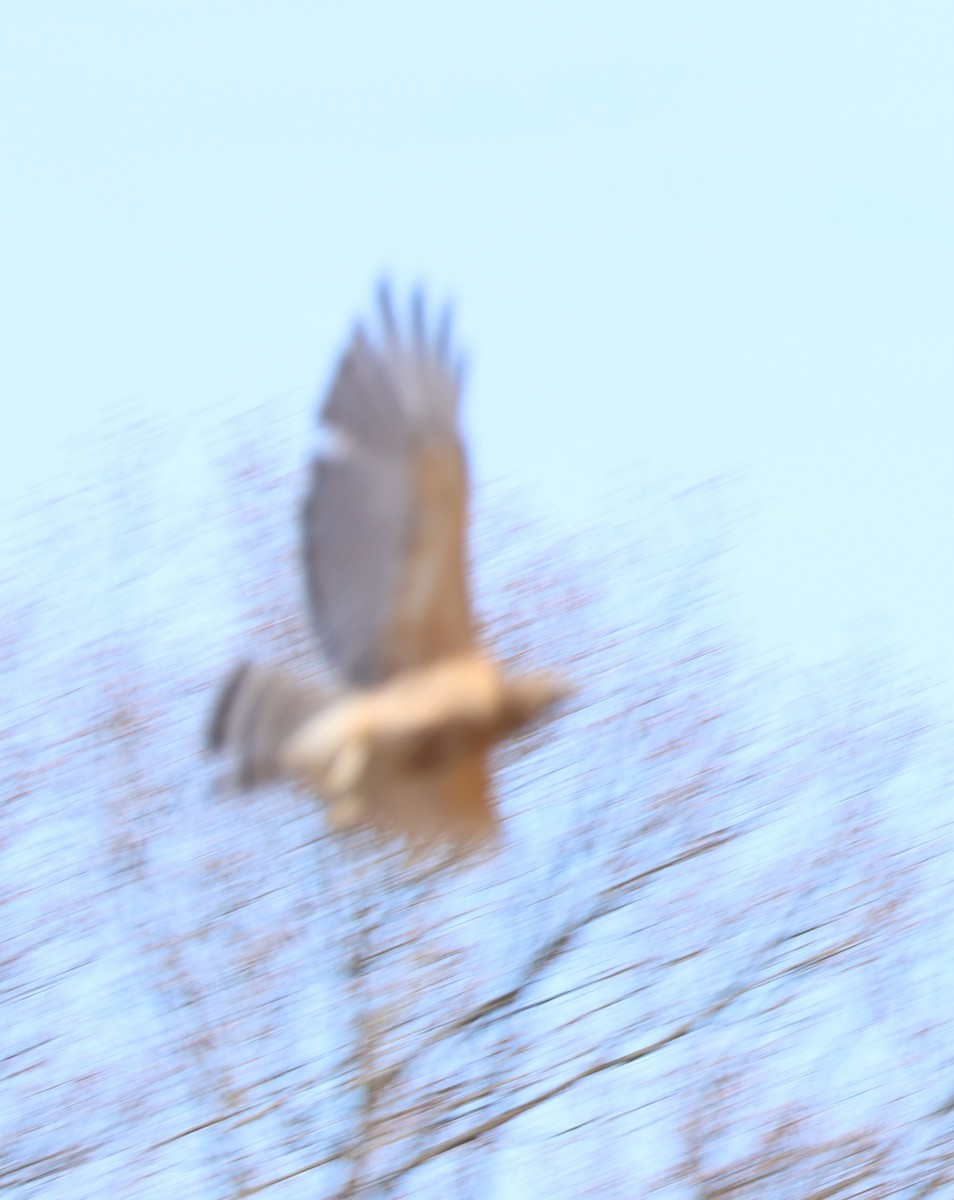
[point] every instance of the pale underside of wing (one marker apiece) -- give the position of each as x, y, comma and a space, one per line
385, 520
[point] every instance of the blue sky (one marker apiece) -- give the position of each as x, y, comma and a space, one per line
684, 241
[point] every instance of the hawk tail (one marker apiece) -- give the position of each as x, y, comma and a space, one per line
256, 711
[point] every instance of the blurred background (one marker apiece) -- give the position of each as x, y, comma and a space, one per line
701, 262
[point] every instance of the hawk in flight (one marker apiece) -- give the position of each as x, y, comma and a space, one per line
404, 745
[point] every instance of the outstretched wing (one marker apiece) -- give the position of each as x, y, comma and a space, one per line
385, 520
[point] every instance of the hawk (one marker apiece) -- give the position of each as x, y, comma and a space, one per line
404, 746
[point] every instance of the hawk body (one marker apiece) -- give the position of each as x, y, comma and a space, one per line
385, 555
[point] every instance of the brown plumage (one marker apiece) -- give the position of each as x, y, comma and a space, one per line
385, 553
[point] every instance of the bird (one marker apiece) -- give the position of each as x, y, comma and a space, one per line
403, 744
